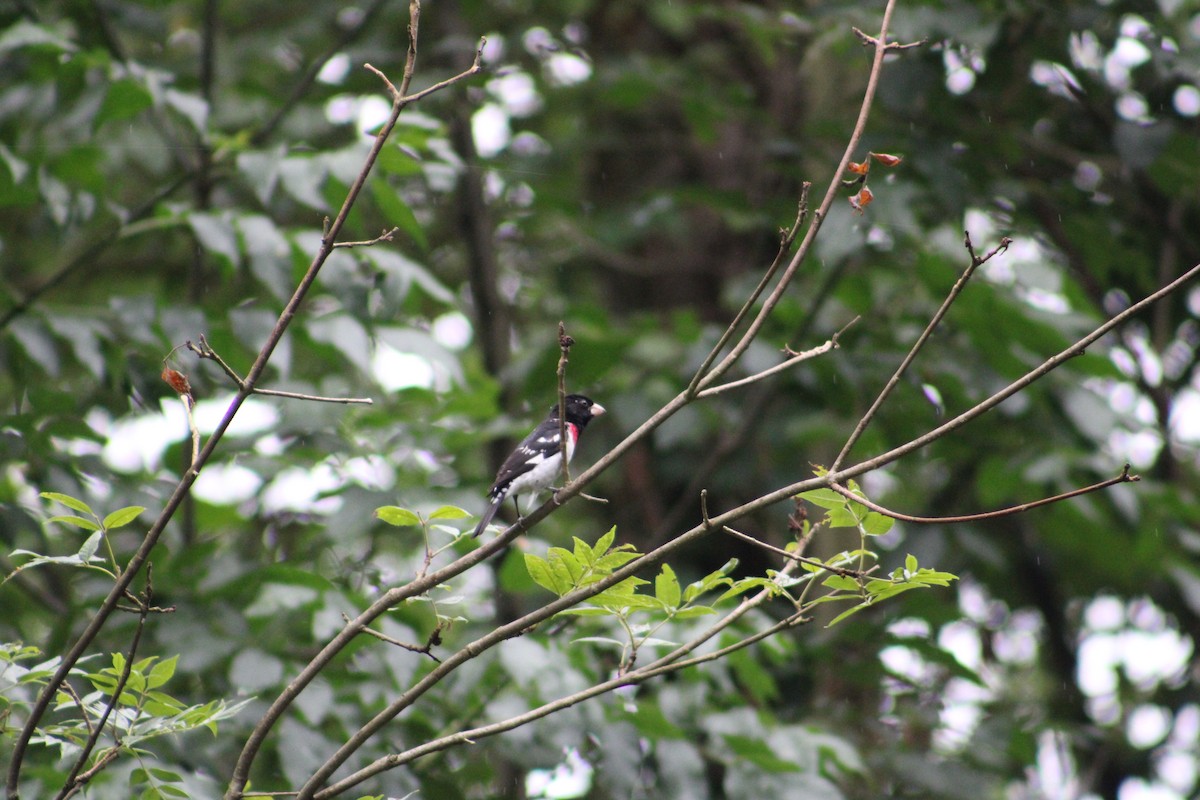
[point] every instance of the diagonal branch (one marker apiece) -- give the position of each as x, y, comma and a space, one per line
247, 388
671, 662
822, 211
793, 359
786, 238
955, 291
74, 781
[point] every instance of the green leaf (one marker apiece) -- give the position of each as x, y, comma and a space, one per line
566, 566
166, 775
848, 612
910, 564
692, 612
843, 517
666, 587
450, 512
70, 502
586, 611
122, 516
27, 34
584, 553
825, 498
650, 721
395, 515
842, 582
747, 585
161, 672
89, 547
876, 524
397, 213
603, 544
539, 570
81, 522
216, 234
615, 559
757, 752
710, 581
123, 100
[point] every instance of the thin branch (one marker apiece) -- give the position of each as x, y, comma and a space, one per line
667, 663
103, 761
787, 236
70, 690
254, 742
74, 781
309, 78
204, 350
812, 562
794, 358
386, 236
517, 627
801, 254
182, 489
976, 411
1124, 477
564, 352
955, 291
632, 678
475, 68
870, 41
435, 639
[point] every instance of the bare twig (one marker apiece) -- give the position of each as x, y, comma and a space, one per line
386, 236
106, 758
793, 359
435, 639
959, 285
1124, 477
812, 562
787, 236
204, 350
870, 41
564, 352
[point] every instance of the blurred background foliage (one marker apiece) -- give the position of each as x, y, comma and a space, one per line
624, 166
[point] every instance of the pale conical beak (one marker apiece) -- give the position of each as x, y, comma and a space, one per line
597, 409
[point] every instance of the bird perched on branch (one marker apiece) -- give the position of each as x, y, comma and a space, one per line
533, 466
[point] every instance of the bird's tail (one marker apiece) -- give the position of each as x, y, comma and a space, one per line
486, 519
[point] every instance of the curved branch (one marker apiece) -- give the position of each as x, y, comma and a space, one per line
1124, 477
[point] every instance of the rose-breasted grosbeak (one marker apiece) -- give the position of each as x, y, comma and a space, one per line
537, 461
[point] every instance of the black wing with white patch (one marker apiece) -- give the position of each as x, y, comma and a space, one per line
535, 461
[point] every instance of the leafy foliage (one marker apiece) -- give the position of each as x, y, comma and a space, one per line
164, 176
